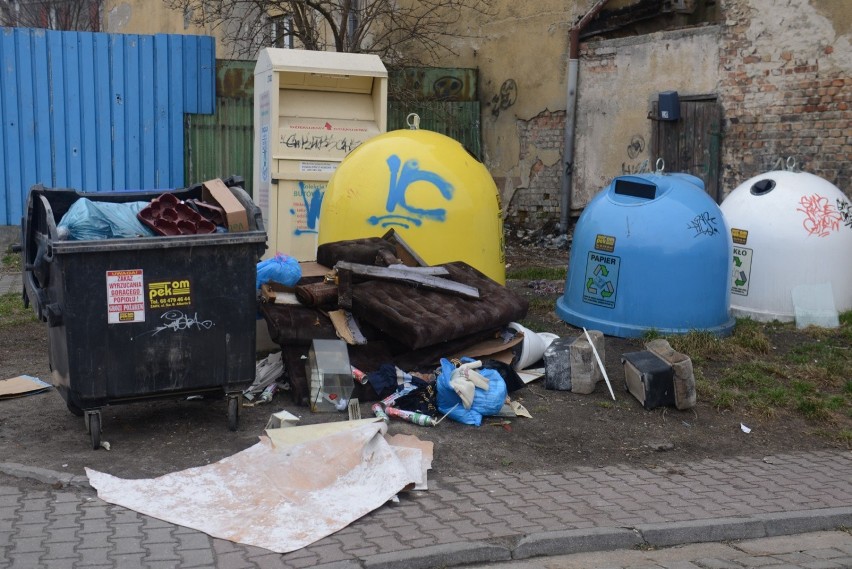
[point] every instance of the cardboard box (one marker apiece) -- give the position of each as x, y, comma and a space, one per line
217, 192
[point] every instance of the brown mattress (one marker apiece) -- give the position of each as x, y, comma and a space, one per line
416, 317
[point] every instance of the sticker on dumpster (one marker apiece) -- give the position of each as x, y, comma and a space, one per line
169, 294
125, 296
605, 243
318, 167
601, 282
739, 236
741, 274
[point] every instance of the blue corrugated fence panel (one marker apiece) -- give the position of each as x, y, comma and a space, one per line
95, 111
73, 109
26, 118
116, 103
176, 108
11, 125
161, 118
190, 75
147, 110
41, 86
206, 75
133, 113
88, 88
59, 147
103, 112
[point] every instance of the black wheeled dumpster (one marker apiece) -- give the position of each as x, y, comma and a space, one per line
143, 317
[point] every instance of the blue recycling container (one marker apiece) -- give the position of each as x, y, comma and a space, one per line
650, 252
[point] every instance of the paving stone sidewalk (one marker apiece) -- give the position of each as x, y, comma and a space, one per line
480, 518
10, 282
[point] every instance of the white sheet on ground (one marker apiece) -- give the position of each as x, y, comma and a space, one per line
277, 495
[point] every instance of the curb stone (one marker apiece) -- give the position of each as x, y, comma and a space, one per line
763, 525
576, 541
44, 475
447, 555
786, 523
697, 531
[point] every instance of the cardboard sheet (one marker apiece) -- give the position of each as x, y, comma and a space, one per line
310, 482
22, 385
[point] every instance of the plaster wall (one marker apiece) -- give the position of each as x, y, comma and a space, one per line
146, 17
619, 81
521, 53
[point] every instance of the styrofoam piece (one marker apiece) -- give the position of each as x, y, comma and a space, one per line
814, 306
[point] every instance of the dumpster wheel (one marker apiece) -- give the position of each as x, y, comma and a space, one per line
93, 427
233, 412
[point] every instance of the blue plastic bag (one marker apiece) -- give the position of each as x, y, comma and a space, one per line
87, 219
281, 269
485, 403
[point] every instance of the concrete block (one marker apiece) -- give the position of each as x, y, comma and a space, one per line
557, 365
585, 371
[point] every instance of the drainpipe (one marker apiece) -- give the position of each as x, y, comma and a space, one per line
571, 112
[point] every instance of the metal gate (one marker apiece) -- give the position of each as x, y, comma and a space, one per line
220, 145
692, 144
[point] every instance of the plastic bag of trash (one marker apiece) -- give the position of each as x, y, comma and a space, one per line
281, 269
87, 219
485, 403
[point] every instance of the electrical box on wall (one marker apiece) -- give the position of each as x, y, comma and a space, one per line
669, 106
311, 108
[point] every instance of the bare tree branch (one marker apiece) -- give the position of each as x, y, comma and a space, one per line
80, 15
401, 32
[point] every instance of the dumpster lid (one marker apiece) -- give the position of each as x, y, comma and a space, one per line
329, 62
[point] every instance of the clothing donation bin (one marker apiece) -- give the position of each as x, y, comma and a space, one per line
311, 108
143, 317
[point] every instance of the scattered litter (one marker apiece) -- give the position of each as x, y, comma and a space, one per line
664, 446
530, 375
685, 424
281, 419
22, 385
194, 397
444, 416
267, 372
105, 445
354, 409
745, 429
520, 410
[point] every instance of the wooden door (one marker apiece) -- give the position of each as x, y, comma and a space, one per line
691, 144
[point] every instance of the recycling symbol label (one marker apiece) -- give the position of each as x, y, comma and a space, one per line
600, 284
741, 271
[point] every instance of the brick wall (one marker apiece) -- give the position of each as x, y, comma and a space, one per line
781, 101
538, 202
